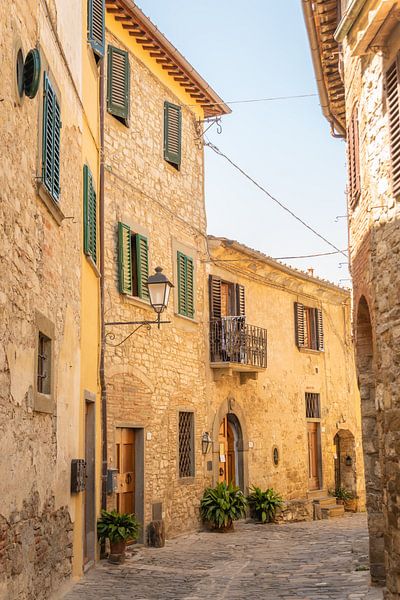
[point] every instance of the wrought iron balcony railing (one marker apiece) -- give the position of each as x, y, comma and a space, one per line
232, 340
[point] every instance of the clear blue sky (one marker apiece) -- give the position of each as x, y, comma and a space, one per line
259, 49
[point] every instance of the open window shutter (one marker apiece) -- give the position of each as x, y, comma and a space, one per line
353, 157
182, 307
215, 297
299, 324
240, 301
320, 329
118, 79
89, 215
393, 102
189, 287
172, 133
51, 140
96, 26
124, 259
142, 258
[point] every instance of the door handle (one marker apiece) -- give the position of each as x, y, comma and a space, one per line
128, 478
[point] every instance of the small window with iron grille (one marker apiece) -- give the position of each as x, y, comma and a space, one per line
186, 444
44, 364
313, 408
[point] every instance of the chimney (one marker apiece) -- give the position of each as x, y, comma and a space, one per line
310, 272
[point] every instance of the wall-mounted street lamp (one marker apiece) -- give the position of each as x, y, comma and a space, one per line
349, 461
159, 288
206, 442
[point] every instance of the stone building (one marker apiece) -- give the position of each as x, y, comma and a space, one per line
355, 48
155, 216
42, 373
283, 400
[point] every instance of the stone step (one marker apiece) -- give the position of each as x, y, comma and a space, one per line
335, 510
324, 502
316, 494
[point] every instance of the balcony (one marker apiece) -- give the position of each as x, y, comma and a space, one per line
237, 346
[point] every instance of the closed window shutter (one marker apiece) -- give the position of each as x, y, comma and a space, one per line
353, 158
142, 267
215, 297
189, 287
393, 102
240, 301
89, 215
51, 140
181, 284
118, 79
299, 324
172, 133
124, 259
96, 26
320, 329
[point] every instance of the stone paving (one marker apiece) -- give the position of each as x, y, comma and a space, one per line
315, 561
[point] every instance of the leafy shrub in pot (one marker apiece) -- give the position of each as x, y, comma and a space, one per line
264, 504
119, 528
222, 505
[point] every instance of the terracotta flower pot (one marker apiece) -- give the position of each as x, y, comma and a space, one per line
117, 552
351, 505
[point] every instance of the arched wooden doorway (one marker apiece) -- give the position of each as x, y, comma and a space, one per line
230, 449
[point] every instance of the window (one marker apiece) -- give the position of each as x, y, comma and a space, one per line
226, 299
393, 104
185, 285
118, 84
51, 140
353, 158
133, 262
309, 327
89, 215
313, 408
186, 444
96, 26
172, 133
43, 385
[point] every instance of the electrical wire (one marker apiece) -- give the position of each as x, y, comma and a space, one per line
260, 187
272, 98
275, 257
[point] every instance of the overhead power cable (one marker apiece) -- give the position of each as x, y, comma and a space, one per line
273, 198
276, 257
251, 100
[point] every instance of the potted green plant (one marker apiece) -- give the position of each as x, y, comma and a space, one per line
342, 495
119, 528
264, 504
222, 505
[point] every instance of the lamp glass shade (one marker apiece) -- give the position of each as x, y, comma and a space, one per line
205, 442
159, 289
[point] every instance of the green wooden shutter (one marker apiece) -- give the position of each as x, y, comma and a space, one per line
172, 133
189, 287
320, 329
299, 324
181, 284
124, 259
89, 215
51, 140
118, 83
142, 266
96, 36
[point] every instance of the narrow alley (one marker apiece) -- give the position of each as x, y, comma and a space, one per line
315, 561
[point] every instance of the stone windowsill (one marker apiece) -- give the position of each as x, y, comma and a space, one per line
43, 403
51, 205
188, 319
186, 480
139, 302
310, 351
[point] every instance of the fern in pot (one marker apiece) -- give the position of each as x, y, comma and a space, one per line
264, 504
119, 528
222, 505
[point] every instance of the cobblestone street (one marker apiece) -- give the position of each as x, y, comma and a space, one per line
317, 560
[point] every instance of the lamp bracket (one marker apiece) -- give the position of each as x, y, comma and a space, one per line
111, 336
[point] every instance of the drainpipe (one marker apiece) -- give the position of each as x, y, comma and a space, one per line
102, 296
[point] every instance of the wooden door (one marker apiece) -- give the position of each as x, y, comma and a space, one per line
89, 494
223, 450
313, 456
231, 463
125, 452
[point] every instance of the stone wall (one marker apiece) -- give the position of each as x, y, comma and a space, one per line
39, 273
375, 245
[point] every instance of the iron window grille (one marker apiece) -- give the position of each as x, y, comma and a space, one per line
43, 364
313, 407
186, 445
